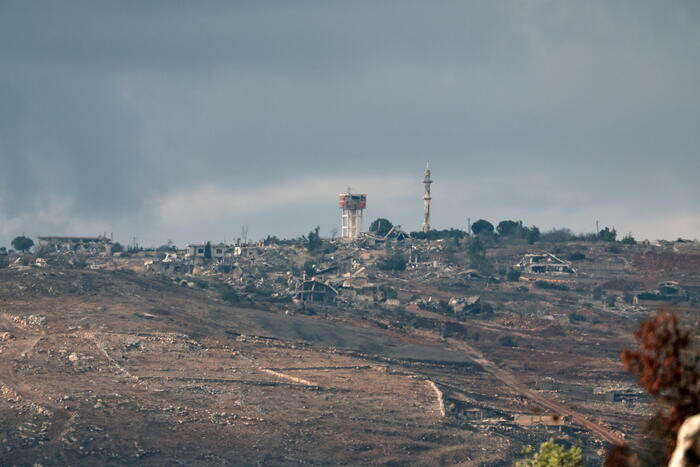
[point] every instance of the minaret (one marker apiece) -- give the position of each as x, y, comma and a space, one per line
426, 199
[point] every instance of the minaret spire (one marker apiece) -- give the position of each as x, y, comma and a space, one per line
426, 199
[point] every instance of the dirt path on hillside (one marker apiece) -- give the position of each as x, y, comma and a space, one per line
511, 381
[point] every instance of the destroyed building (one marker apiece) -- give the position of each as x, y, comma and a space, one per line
315, 291
198, 250
544, 263
74, 243
352, 208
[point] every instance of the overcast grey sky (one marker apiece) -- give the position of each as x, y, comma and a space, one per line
187, 120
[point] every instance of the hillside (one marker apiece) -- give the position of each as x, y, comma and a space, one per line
111, 365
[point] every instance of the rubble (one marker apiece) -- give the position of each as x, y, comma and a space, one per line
544, 263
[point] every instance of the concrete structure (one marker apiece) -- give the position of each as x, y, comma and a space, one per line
316, 291
196, 250
426, 199
544, 263
74, 243
352, 208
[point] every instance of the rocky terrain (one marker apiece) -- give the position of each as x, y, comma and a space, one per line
109, 361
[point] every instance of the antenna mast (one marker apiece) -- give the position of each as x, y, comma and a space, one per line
426, 199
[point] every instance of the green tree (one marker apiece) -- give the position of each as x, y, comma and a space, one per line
552, 454
22, 243
476, 251
513, 275
117, 248
207, 250
607, 235
381, 226
507, 228
482, 226
532, 235
628, 240
314, 239
393, 262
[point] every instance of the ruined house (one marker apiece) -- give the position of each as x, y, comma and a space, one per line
544, 263
56, 243
315, 291
197, 250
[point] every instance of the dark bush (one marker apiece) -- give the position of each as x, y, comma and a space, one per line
598, 293
614, 248
314, 239
393, 262
532, 235
439, 234
558, 235
610, 300
621, 284
576, 317
513, 275
607, 235
229, 294
506, 341
628, 240
551, 285
578, 256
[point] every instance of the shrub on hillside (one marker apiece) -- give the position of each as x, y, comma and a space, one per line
532, 235
393, 262
558, 235
614, 248
547, 285
439, 234
506, 341
314, 240
513, 275
552, 454
576, 317
628, 240
607, 235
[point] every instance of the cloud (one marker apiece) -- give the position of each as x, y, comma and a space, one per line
208, 203
556, 113
55, 217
